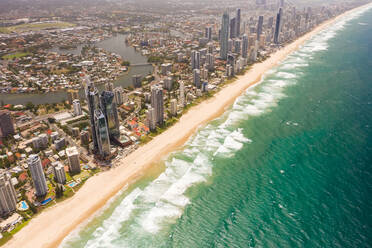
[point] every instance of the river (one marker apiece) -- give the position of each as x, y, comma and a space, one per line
114, 44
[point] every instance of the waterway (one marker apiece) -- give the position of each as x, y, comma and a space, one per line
114, 44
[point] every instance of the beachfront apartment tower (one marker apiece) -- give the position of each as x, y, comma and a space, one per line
37, 174
59, 172
151, 122
182, 94
72, 154
224, 36
109, 109
245, 46
196, 78
8, 196
102, 134
157, 102
278, 26
92, 97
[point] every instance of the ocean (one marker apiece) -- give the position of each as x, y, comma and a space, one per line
288, 165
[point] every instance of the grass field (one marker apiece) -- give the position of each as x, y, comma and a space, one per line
15, 55
35, 27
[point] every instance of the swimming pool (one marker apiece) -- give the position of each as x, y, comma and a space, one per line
23, 206
72, 184
46, 201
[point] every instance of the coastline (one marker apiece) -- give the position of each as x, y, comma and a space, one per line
53, 225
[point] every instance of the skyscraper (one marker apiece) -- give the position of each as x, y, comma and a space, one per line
72, 95
118, 91
231, 61
259, 27
196, 78
109, 108
8, 196
157, 102
102, 134
245, 46
150, 114
210, 61
173, 107
224, 37
77, 107
6, 124
195, 60
278, 26
238, 19
92, 96
37, 174
233, 28
182, 93
109, 86
208, 33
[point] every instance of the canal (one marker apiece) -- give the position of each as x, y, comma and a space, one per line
114, 44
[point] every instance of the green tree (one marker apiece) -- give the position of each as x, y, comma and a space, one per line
30, 106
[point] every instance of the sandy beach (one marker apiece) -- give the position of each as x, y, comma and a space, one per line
50, 227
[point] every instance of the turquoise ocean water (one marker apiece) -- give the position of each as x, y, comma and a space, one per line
288, 165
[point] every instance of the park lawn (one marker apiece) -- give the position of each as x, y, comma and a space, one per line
35, 27
15, 55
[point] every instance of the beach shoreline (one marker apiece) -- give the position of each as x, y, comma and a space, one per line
51, 226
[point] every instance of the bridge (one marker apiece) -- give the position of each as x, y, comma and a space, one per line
140, 64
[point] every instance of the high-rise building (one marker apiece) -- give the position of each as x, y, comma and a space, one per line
208, 33
157, 102
102, 134
278, 26
259, 27
8, 196
118, 91
270, 22
182, 93
237, 46
245, 46
72, 154
196, 78
165, 68
84, 137
224, 37
92, 96
43, 140
137, 81
168, 83
109, 86
37, 174
173, 107
6, 124
72, 95
238, 20
233, 28
151, 121
59, 172
77, 107
210, 61
231, 62
109, 108
195, 60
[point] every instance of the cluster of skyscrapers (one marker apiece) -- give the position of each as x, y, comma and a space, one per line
104, 119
